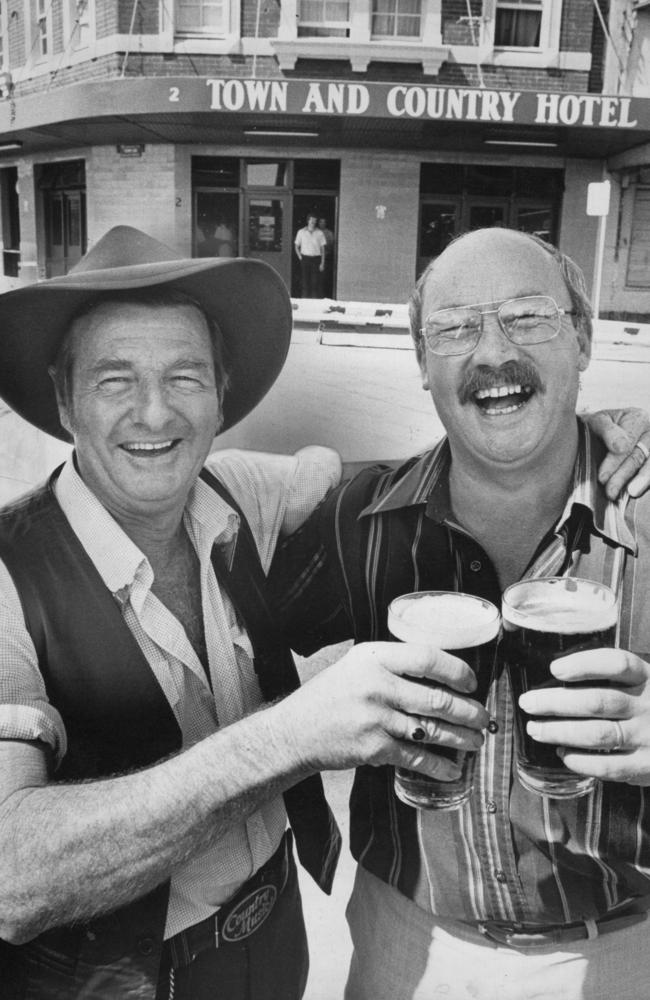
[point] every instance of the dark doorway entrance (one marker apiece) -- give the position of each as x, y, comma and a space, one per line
459, 198
10, 221
63, 187
323, 206
253, 207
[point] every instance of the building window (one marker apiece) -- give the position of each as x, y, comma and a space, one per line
518, 24
396, 18
42, 27
638, 261
80, 23
3, 36
324, 19
205, 17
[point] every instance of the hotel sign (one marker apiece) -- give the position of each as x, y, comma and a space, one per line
313, 99
375, 100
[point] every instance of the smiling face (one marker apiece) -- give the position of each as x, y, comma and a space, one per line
503, 403
144, 406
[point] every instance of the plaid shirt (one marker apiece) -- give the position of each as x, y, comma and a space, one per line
507, 854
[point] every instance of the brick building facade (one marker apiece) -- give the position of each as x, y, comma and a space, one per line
216, 125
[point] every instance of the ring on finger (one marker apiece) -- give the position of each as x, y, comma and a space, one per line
418, 732
645, 451
620, 738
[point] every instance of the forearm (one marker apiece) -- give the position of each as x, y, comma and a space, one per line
69, 852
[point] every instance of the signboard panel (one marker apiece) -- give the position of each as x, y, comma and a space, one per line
314, 99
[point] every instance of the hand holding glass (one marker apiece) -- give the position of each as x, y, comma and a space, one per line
462, 625
544, 619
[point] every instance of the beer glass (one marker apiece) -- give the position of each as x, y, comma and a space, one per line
462, 625
544, 619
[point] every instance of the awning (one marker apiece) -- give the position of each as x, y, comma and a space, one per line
326, 113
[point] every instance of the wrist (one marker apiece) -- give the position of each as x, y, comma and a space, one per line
285, 741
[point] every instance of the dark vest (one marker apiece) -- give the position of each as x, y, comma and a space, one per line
117, 718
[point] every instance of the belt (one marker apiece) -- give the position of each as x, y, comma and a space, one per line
531, 937
241, 916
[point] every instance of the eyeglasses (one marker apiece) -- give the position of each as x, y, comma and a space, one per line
532, 319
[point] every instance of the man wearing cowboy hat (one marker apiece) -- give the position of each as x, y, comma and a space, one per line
140, 800
144, 789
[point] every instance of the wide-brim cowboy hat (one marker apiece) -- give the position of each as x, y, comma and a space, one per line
247, 298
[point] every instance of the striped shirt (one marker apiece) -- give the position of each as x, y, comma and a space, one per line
275, 493
508, 854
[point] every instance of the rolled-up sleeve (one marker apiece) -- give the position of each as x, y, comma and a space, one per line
277, 493
25, 712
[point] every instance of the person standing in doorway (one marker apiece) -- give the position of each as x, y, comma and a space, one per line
310, 244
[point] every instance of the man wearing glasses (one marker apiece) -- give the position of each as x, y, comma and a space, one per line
512, 895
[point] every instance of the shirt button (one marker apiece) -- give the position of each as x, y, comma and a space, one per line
500, 876
145, 945
491, 806
493, 726
475, 565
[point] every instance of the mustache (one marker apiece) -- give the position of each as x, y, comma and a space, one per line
512, 372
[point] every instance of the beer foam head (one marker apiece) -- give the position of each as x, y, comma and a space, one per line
446, 620
560, 604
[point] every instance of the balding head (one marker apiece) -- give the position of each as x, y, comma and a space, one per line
487, 259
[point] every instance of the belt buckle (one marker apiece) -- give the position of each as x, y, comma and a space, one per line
520, 940
248, 915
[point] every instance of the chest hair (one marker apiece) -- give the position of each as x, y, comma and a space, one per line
177, 583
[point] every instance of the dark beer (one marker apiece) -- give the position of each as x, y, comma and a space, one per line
462, 625
543, 620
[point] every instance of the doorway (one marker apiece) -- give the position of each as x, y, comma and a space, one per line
10, 221
323, 206
63, 187
257, 204
268, 230
457, 198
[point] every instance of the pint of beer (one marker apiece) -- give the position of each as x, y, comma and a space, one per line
544, 619
463, 625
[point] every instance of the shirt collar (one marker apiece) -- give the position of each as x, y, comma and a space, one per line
425, 477
426, 481
118, 559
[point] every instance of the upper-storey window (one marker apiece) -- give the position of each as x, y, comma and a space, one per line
518, 24
396, 18
323, 19
3, 36
42, 39
209, 17
78, 27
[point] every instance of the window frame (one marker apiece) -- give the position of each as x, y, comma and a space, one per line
43, 28
639, 218
205, 32
78, 14
4, 37
521, 5
396, 16
324, 25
